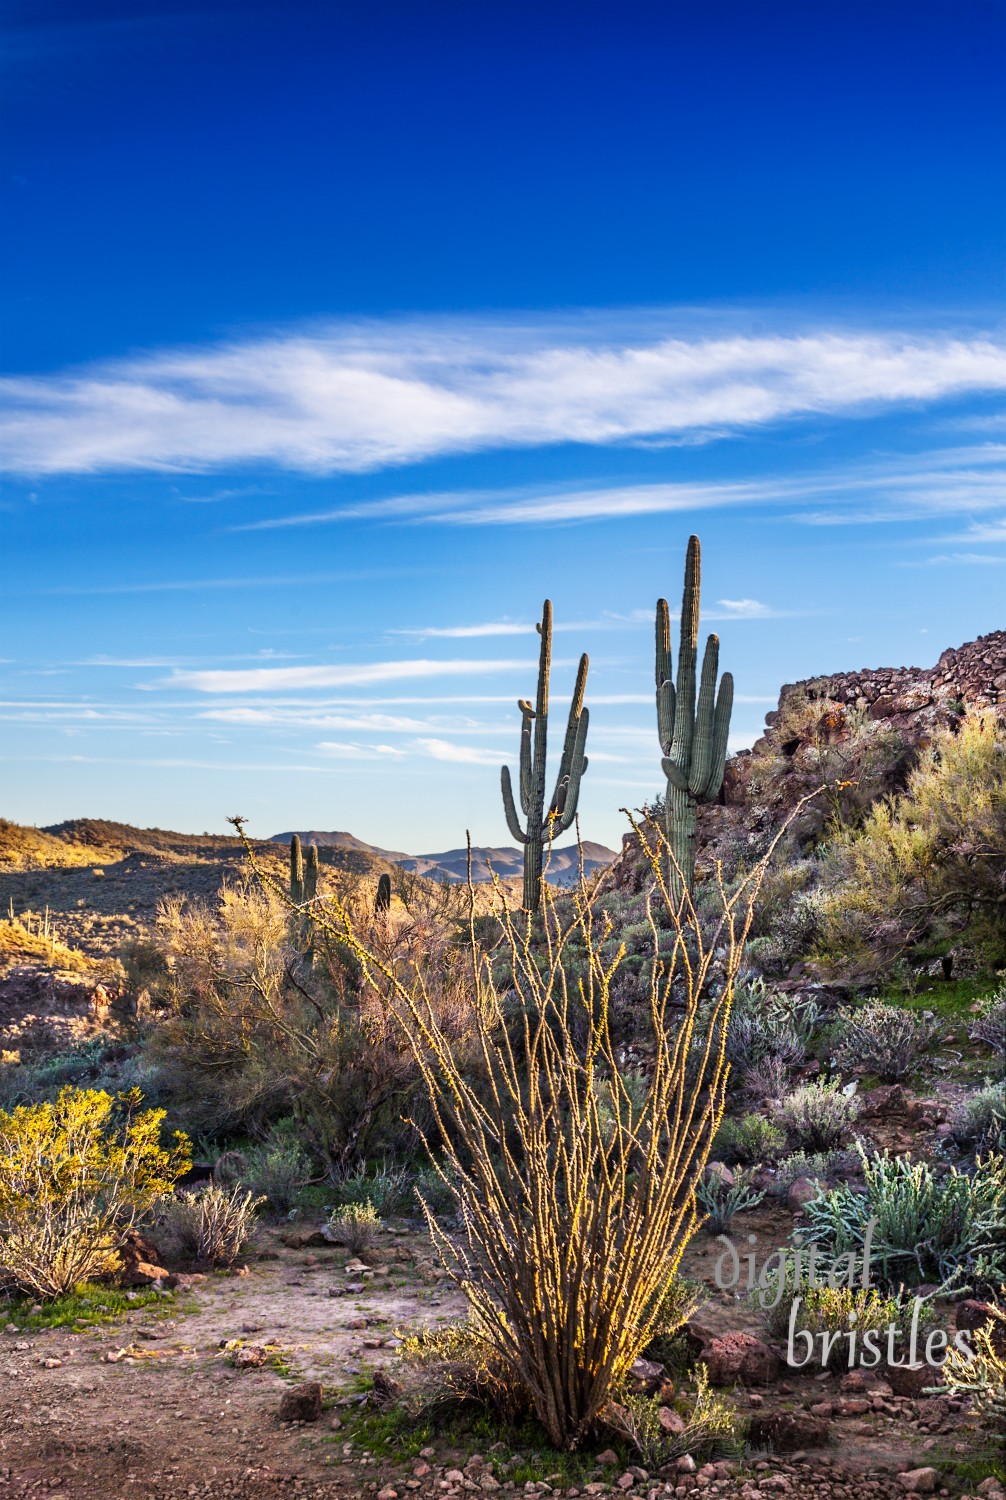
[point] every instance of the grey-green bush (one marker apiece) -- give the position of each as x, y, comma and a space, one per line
818, 1116
887, 1040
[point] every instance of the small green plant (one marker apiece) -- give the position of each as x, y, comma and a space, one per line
87, 1306
887, 1040
721, 1200
750, 1141
75, 1173
818, 1116
356, 1225
212, 1226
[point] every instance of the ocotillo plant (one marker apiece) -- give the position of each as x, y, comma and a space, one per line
693, 736
562, 807
383, 901
296, 871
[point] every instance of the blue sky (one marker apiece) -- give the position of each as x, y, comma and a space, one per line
336, 337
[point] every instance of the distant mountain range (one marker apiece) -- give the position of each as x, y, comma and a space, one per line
452, 864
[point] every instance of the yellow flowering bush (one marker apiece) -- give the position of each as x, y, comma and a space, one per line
74, 1174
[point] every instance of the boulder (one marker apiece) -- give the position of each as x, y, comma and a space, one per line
742, 1357
972, 1315
919, 1481
647, 1375
671, 1422
139, 1262
788, 1431
800, 1192
301, 1403
912, 1380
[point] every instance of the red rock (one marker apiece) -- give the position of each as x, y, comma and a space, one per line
800, 1192
919, 1481
301, 1403
742, 1357
912, 1380
786, 1431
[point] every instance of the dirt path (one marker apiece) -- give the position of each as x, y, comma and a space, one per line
155, 1408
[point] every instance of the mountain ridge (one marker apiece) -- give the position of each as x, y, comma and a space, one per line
562, 866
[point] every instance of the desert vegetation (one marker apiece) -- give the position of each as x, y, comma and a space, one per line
776, 1020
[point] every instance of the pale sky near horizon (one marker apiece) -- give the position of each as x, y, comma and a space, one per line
336, 338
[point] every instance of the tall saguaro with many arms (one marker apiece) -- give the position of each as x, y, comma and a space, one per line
693, 735
562, 808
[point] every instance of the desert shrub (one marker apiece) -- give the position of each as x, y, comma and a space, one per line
946, 1229
75, 1173
355, 1225
720, 1200
389, 1189
837, 1312
709, 1425
572, 1224
253, 1031
767, 1079
818, 1116
982, 1377
989, 1026
277, 1170
212, 1225
749, 1140
818, 1166
978, 1123
767, 1022
929, 864
887, 1040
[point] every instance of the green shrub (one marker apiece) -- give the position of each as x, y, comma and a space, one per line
355, 1225
818, 1116
887, 1040
929, 1229
709, 1425
768, 1024
75, 1173
750, 1140
978, 1123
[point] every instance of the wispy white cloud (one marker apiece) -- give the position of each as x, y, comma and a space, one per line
359, 398
352, 751
464, 632
267, 679
469, 755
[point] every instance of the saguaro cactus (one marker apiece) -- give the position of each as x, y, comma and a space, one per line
311, 867
693, 736
542, 825
383, 900
296, 871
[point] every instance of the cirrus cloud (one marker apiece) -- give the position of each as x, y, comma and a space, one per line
352, 399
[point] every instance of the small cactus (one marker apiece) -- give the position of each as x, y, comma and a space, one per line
383, 901
693, 736
562, 807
